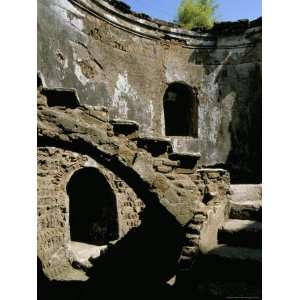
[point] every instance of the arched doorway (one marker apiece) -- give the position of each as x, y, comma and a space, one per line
93, 213
180, 110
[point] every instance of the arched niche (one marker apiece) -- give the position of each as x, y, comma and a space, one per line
180, 110
92, 209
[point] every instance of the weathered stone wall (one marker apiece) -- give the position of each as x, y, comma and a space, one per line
188, 203
55, 168
126, 63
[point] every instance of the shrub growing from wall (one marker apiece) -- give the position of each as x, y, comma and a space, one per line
196, 13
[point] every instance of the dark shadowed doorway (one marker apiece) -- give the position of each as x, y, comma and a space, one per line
93, 213
180, 110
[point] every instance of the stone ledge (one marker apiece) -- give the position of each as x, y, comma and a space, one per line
241, 233
211, 170
157, 146
246, 210
122, 17
246, 192
188, 161
128, 128
233, 225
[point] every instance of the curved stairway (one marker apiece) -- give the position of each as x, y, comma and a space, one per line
232, 270
223, 269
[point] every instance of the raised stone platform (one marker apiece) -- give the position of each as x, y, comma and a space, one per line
246, 192
245, 233
237, 253
246, 210
230, 273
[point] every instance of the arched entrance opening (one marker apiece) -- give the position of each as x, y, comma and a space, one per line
93, 213
180, 110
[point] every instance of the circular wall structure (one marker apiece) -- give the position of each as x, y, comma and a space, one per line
117, 59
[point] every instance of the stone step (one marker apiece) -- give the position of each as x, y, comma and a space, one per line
246, 192
246, 210
245, 233
237, 253
188, 161
128, 128
226, 289
212, 172
157, 146
228, 271
233, 262
164, 165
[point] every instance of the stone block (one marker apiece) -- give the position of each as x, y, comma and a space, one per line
126, 154
143, 166
213, 175
161, 183
184, 171
164, 169
171, 163
157, 146
157, 162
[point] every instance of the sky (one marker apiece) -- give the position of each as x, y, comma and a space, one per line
229, 10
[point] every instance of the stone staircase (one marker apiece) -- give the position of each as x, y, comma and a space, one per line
165, 159
232, 264
233, 268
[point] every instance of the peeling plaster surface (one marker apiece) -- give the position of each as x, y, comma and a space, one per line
129, 73
78, 23
68, 6
62, 8
173, 74
151, 112
162, 118
77, 70
122, 88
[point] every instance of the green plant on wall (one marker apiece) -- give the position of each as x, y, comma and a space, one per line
196, 13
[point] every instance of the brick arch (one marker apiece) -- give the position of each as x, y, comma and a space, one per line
86, 130
92, 207
76, 130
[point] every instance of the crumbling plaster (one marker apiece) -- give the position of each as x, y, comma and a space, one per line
126, 63
73, 138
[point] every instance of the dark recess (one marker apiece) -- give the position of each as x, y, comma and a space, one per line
64, 98
136, 267
180, 110
93, 213
39, 81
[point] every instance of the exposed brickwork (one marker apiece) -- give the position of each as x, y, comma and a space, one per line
129, 207
197, 199
55, 167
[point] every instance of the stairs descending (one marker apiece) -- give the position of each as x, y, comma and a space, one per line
233, 268
246, 233
126, 127
246, 202
166, 160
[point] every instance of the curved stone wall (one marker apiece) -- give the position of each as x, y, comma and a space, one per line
126, 63
174, 197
